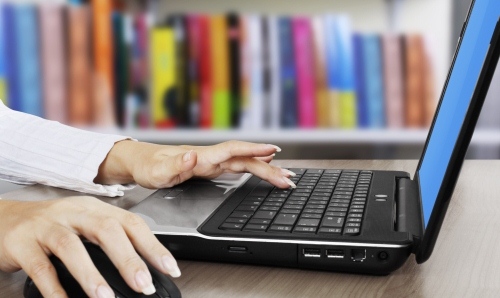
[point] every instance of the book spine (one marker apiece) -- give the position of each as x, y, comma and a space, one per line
29, 76
163, 102
275, 76
320, 70
11, 57
120, 67
205, 73
256, 84
333, 67
79, 73
393, 80
359, 68
140, 68
305, 72
234, 39
221, 108
414, 81
53, 62
194, 50
347, 93
3, 67
374, 81
288, 74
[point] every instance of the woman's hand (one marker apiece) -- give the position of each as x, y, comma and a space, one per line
159, 166
31, 231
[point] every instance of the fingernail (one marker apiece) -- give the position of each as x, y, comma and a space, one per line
187, 156
288, 172
170, 266
145, 283
289, 182
278, 149
104, 292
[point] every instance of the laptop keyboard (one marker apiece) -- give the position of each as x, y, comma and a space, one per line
324, 202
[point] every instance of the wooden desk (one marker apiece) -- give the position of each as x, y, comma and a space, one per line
465, 261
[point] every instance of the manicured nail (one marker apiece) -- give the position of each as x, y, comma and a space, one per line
187, 156
104, 292
145, 283
170, 266
288, 172
278, 149
289, 182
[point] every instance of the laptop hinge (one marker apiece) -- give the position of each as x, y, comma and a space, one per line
408, 209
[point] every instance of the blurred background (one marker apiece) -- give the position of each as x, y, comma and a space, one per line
350, 79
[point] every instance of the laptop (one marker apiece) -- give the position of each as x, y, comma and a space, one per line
346, 220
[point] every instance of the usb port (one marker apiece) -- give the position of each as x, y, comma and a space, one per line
311, 252
335, 253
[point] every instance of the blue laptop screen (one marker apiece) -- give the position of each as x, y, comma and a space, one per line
456, 100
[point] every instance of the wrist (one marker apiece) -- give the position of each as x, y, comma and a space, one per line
118, 166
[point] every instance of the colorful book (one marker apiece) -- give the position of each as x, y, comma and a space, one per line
28, 62
359, 69
414, 81
234, 38
121, 67
3, 67
205, 73
306, 99
333, 71
164, 97
53, 54
372, 57
274, 72
346, 82
194, 53
244, 120
140, 69
221, 105
288, 86
102, 33
79, 72
11, 53
322, 107
393, 80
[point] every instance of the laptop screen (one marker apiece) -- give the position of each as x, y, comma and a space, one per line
455, 101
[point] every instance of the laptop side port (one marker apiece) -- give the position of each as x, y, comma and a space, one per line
358, 255
311, 252
335, 253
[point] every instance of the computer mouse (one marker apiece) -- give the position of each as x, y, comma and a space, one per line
165, 288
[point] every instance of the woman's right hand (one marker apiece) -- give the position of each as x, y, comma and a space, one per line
32, 231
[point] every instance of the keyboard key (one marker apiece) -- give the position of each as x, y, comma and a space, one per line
314, 211
246, 208
310, 215
330, 230
315, 206
267, 208
296, 207
251, 227
231, 226
314, 171
351, 231
358, 215
353, 224
354, 219
290, 211
336, 209
240, 214
340, 214
298, 171
301, 203
332, 222
308, 222
258, 221
276, 228
262, 189
356, 210
265, 214
305, 230
255, 203
280, 200
285, 219
255, 198
237, 220
272, 204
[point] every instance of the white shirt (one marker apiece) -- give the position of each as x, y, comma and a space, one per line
35, 150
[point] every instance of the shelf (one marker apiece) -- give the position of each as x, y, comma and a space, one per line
293, 136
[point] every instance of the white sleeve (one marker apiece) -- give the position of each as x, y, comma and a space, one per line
35, 150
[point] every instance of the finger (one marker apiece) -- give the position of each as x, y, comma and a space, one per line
108, 233
227, 150
68, 247
270, 173
37, 265
148, 246
172, 170
266, 159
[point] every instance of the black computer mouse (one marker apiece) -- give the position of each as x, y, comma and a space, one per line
165, 288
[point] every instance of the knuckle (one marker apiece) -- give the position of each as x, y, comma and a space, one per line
39, 269
133, 261
134, 220
64, 242
107, 226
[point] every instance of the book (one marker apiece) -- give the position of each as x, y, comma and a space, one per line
333, 68
102, 34
275, 100
266, 72
205, 73
429, 89
374, 84
234, 39
359, 69
194, 54
11, 68
306, 98
28, 62
322, 108
140, 69
345, 67
414, 81
221, 105
80, 104
393, 80
164, 97
288, 86
121, 67
53, 54
3, 67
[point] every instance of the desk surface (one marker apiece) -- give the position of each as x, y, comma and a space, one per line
465, 261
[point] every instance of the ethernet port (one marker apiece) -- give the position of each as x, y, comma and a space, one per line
358, 255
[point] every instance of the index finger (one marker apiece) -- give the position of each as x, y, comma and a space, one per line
227, 150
